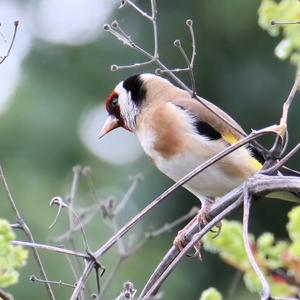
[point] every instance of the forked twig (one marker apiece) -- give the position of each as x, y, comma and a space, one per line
126, 39
189, 62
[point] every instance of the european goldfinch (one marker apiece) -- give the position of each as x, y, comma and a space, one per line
178, 133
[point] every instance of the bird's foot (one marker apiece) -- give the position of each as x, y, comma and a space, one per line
202, 219
180, 240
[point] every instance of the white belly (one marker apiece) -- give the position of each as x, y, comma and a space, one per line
210, 183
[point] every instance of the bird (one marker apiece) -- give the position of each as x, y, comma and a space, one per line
178, 133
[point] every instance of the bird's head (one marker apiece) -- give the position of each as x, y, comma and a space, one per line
129, 98
125, 103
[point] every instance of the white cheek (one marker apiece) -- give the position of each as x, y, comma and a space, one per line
128, 109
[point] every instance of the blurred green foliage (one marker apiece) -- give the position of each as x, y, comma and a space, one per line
287, 11
39, 140
211, 294
11, 257
278, 260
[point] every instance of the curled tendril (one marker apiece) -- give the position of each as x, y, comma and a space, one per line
57, 200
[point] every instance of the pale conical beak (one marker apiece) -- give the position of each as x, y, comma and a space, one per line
111, 123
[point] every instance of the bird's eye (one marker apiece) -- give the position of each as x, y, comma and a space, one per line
114, 102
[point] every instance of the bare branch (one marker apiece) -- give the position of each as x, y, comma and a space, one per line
27, 232
163, 196
59, 283
289, 100
257, 185
151, 290
280, 163
274, 22
5, 296
257, 270
282, 139
51, 248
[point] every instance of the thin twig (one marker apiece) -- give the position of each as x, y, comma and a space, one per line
140, 11
177, 43
167, 227
135, 182
88, 216
76, 276
274, 22
289, 100
283, 161
110, 277
59, 201
59, 283
282, 139
51, 248
27, 232
265, 286
3, 58
71, 198
189, 23
233, 286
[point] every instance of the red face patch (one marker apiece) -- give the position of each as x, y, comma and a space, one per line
113, 108
112, 105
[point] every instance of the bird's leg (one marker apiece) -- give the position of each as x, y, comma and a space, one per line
202, 219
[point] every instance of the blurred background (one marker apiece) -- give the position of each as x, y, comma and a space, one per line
52, 92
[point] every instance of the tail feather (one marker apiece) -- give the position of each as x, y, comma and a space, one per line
285, 171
